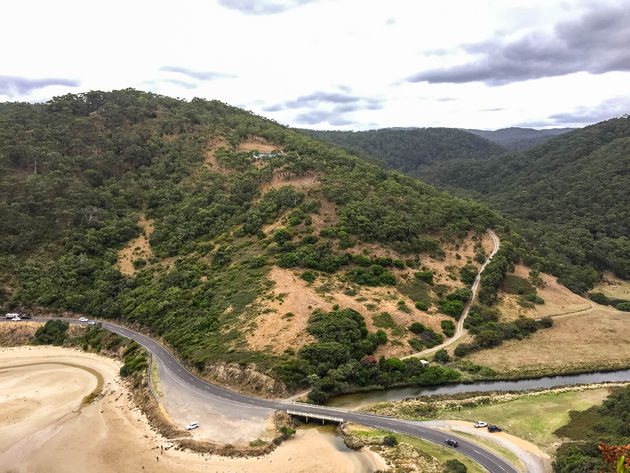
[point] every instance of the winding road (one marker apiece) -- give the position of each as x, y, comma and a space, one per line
257, 406
475, 289
263, 407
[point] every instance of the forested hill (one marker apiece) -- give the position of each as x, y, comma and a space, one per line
409, 150
571, 194
162, 212
519, 139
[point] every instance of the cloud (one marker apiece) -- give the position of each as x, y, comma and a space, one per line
328, 107
331, 98
197, 75
13, 86
322, 116
390, 21
610, 108
263, 7
596, 43
582, 116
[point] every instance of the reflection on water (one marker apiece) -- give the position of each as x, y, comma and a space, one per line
362, 463
356, 401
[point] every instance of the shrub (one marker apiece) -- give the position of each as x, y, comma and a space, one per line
52, 332
390, 441
416, 328
625, 306
463, 349
441, 356
454, 466
454, 308
426, 276
422, 306
415, 343
448, 327
309, 276
599, 298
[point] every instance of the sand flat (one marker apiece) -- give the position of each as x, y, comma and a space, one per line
40, 412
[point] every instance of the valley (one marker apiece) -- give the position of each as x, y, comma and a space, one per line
254, 264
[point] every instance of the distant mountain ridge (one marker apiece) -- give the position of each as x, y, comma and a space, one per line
519, 139
410, 149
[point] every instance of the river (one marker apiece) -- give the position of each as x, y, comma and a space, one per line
359, 400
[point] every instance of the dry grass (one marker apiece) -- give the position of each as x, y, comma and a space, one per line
282, 178
210, 161
259, 144
558, 299
613, 287
594, 339
136, 248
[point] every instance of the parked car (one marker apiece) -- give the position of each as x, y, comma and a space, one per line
480, 423
11, 315
26, 316
451, 443
16, 318
192, 425
494, 428
91, 322
83, 319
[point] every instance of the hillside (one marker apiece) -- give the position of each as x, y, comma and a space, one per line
411, 150
570, 193
161, 213
519, 139
567, 198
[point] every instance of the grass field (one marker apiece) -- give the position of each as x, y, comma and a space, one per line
586, 341
533, 418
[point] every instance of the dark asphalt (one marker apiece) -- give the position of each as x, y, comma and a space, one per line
488, 460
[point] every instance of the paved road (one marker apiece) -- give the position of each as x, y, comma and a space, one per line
488, 460
475, 289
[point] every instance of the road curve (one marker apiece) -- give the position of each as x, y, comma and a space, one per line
488, 460
475, 289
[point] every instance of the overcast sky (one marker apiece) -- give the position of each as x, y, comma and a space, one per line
334, 64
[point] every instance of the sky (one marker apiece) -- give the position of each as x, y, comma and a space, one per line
334, 64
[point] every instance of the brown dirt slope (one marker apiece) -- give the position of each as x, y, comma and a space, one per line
283, 313
558, 299
136, 248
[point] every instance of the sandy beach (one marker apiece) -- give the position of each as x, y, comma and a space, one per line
44, 427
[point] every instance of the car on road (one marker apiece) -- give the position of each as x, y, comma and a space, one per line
480, 423
494, 428
16, 318
83, 319
26, 316
11, 315
91, 322
192, 425
451, 443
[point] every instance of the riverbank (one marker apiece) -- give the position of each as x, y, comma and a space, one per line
44, 428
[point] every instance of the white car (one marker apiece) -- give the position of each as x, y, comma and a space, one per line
16, 318
91, 322
192, 425
83, 319
479, 424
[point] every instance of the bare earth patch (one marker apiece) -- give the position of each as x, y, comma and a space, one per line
281, 178
589, 340
210, 161
259, 144
558, 299
137, 248
613, 287
274, 330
